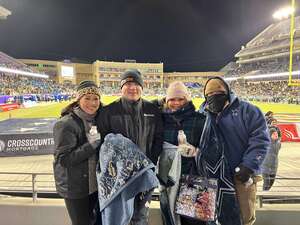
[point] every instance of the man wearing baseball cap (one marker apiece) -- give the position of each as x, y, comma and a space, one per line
234, 144
138, 120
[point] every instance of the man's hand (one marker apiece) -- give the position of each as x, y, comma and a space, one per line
243, 173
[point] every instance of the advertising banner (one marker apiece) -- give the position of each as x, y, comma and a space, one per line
290, 132
22, 137
28, 144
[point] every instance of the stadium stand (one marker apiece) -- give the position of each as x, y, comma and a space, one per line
267, 53
15, 84
266, 91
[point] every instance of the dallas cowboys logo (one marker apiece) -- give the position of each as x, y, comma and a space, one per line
225, 186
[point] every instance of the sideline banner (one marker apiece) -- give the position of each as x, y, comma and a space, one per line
290, 132
28, 144
8, 107
23, 137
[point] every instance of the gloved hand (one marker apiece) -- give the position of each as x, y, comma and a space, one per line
94, 139
95, 144
243, 174
187, 150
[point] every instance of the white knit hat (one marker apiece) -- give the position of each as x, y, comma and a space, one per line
177, 89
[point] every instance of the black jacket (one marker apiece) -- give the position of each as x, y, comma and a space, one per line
72, 152
139, 121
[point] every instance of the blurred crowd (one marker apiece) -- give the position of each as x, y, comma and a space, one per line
273, 66
263, 91
267, 91
17, 85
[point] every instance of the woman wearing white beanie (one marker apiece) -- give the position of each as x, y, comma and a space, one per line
177, 91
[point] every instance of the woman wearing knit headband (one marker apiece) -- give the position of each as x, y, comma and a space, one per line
76, 146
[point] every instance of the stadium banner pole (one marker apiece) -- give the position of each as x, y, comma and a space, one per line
292, 31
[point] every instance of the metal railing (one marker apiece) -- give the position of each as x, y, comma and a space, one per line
26, 182
285, 188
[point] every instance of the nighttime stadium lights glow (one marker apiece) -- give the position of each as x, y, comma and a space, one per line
270, 75
231, 78
283, 13
20, 72
4, 13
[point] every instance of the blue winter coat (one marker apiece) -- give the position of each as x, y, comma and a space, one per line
244, 129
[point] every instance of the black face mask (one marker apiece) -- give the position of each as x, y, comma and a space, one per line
216, 102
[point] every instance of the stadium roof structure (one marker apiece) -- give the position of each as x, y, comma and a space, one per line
273, 42
4, 13
228, 67
18, 67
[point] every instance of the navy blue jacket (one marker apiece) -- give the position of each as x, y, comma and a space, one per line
245, 132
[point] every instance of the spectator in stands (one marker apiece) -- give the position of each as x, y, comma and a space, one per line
233, 145
141, 122
179, 117
268, 115
270, 164
75, 157
273, 123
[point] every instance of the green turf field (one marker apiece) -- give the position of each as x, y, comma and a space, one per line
53, 110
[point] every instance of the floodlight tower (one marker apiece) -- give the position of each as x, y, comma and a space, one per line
285, 13
4, 13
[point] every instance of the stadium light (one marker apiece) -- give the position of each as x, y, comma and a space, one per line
4, 13
283, 13
8, 70
268, 75
230, 78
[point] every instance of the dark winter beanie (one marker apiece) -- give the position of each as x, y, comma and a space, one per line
131, 75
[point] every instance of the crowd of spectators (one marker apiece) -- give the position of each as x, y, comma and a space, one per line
264, 91
16, 85
11, 63
268, 67
11, 84
267, 91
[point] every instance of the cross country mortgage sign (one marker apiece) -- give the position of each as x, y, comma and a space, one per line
20, 137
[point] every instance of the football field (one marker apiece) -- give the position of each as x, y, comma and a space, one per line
53, 109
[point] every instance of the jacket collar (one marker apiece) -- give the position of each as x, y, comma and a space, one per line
131, 106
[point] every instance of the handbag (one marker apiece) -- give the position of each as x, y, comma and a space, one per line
197, 197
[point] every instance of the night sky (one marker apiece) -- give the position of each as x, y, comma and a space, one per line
186, 35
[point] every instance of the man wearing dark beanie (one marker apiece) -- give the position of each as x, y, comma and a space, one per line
132, 75
236, 141
141, 122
